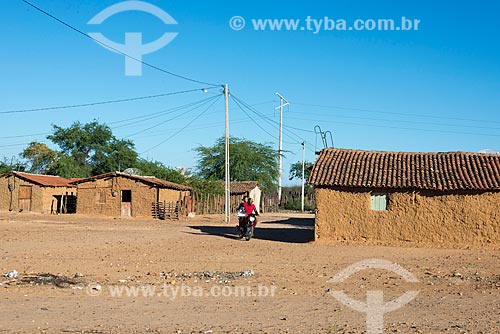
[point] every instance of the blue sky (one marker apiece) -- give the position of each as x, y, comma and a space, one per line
435, 89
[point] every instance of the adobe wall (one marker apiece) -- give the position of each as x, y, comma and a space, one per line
5, 195
455, 219
170, 195
143, 196
49, 202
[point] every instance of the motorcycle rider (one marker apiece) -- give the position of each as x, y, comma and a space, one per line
242, 215
250, 208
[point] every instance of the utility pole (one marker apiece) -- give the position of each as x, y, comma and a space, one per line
283, 102
227, 181
303, 170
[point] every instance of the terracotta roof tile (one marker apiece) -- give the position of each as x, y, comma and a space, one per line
146, 179
242, 187
42, 180
442, 171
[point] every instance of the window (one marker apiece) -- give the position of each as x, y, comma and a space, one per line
101, 197
379, 201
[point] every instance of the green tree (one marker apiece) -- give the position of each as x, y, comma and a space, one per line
92, 148
40, 158
296, 170
12, 165
66, 166
159, 170
248, 161
201, 186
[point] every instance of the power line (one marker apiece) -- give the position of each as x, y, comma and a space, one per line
147, 117
202, 127
139, 119
116, 50
269, 120
396, 127
254, 121
396, 113
144, 118
416, 129
176, 117
24, 136
20, 144
102, 102
405, 121
274, 124
182, 129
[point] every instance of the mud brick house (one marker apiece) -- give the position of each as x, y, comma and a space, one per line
245, 188
46, 194
118, 194
441, 198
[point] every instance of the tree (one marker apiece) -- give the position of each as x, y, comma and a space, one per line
159, 170
93, 149
296, 170
12, 165
201, 186
40, 158
66, 166
249, 161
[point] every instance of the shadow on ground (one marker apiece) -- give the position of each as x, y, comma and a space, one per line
299, 230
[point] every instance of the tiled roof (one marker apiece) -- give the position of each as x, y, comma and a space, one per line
242, 187
401, 170
42, 180
146, 179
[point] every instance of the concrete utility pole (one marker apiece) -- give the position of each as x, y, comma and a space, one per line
303, 170
227, 181
283, 102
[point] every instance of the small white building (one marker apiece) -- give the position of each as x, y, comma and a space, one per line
247, 188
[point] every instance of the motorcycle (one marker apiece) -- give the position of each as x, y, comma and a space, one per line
251, 221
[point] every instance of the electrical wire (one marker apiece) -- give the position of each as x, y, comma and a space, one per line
116, 50
413, 129
396, 113
144, 118
275, 124
24, 136
398, 127
182, 129
139, 119
254, 121
268, 119
286, 132
405, 121
201, 127
20, 144
102, 102
176, 117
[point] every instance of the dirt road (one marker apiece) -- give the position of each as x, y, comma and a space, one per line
196, 277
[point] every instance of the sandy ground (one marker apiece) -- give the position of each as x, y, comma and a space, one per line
278, 282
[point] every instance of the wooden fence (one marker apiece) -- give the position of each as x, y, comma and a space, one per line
165, 210
214, 203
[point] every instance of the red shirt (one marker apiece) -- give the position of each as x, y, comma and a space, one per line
249, 208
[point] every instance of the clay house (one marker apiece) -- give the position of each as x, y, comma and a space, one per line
119, 194
441, 198
245, 188
46, 194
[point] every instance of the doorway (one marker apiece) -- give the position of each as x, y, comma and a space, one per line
126, 203
25, 198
